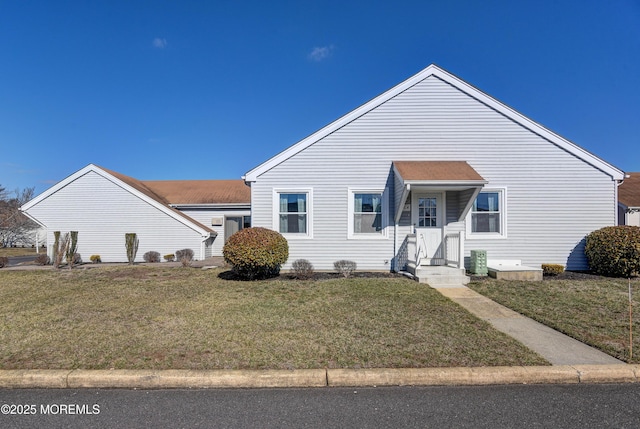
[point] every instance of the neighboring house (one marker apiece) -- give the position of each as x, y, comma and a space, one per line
629, 200
104, 205
428, 171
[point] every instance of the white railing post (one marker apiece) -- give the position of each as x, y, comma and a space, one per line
461, 250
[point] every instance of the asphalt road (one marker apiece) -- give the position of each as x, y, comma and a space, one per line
540, 406
16, 260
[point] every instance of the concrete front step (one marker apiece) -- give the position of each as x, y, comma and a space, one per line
440, 276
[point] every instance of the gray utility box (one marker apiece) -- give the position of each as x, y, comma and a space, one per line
478, 262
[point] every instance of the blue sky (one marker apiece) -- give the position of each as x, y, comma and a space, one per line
210, 89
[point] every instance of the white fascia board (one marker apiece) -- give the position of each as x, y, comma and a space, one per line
436, 71
61, 184
588, 157
447, 183
93, 168
252, 175
239, 206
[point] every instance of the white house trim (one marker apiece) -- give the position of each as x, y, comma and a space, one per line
445, 76
205, 233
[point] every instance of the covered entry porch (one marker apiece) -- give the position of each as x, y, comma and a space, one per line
432, 201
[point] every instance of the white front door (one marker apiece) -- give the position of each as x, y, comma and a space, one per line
427, 218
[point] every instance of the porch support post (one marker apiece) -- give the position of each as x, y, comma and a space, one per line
461, 249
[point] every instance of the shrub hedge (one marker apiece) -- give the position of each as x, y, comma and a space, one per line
614, 251
256, 253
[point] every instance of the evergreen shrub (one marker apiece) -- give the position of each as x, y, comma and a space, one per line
614, 251
256, 253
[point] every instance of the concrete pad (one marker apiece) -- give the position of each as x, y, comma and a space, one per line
34, 378
150, 379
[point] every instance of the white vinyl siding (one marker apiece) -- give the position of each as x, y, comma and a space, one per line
435, 121
102, 212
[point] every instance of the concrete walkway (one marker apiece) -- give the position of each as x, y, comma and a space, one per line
557, 348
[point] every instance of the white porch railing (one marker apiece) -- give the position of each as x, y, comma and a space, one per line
452, 247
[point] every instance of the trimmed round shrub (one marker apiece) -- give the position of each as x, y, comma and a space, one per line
614, 251
256, 253
151, 256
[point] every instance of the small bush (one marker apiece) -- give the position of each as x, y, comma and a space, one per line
95, 259
77, 259
302, 269
256, 253
131, 243
184, 256
151, 256
170, 257
614, 251
3, 261
346, 268
552, 269
42, 259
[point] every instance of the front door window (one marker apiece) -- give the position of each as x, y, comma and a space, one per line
427, 212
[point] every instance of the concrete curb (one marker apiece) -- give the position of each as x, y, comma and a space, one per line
188, 379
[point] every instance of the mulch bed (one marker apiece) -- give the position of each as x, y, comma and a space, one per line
322, 275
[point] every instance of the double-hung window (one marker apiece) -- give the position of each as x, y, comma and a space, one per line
366, 214
292, 213
487, 217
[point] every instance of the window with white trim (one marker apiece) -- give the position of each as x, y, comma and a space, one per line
366, 214
487, 216
293, 212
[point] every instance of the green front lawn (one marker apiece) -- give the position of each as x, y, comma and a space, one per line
161, 317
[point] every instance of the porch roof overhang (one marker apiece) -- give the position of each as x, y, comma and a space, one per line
437, 175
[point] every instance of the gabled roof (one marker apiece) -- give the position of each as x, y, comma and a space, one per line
437, 171
201, 192
456, 82
134, 186
629, 191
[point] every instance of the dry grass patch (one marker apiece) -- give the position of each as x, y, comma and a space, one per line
148, 317
593, 310
18, 251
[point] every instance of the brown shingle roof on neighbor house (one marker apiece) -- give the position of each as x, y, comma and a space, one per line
436, 171
629, 191
189, 192
201, 191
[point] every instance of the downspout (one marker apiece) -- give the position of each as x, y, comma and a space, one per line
626, 215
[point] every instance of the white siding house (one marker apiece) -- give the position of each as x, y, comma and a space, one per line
103, 206
428, 171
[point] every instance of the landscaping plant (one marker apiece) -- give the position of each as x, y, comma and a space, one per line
302, 269
151, 256
131, 243
614, 251
256, 253
344, 267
